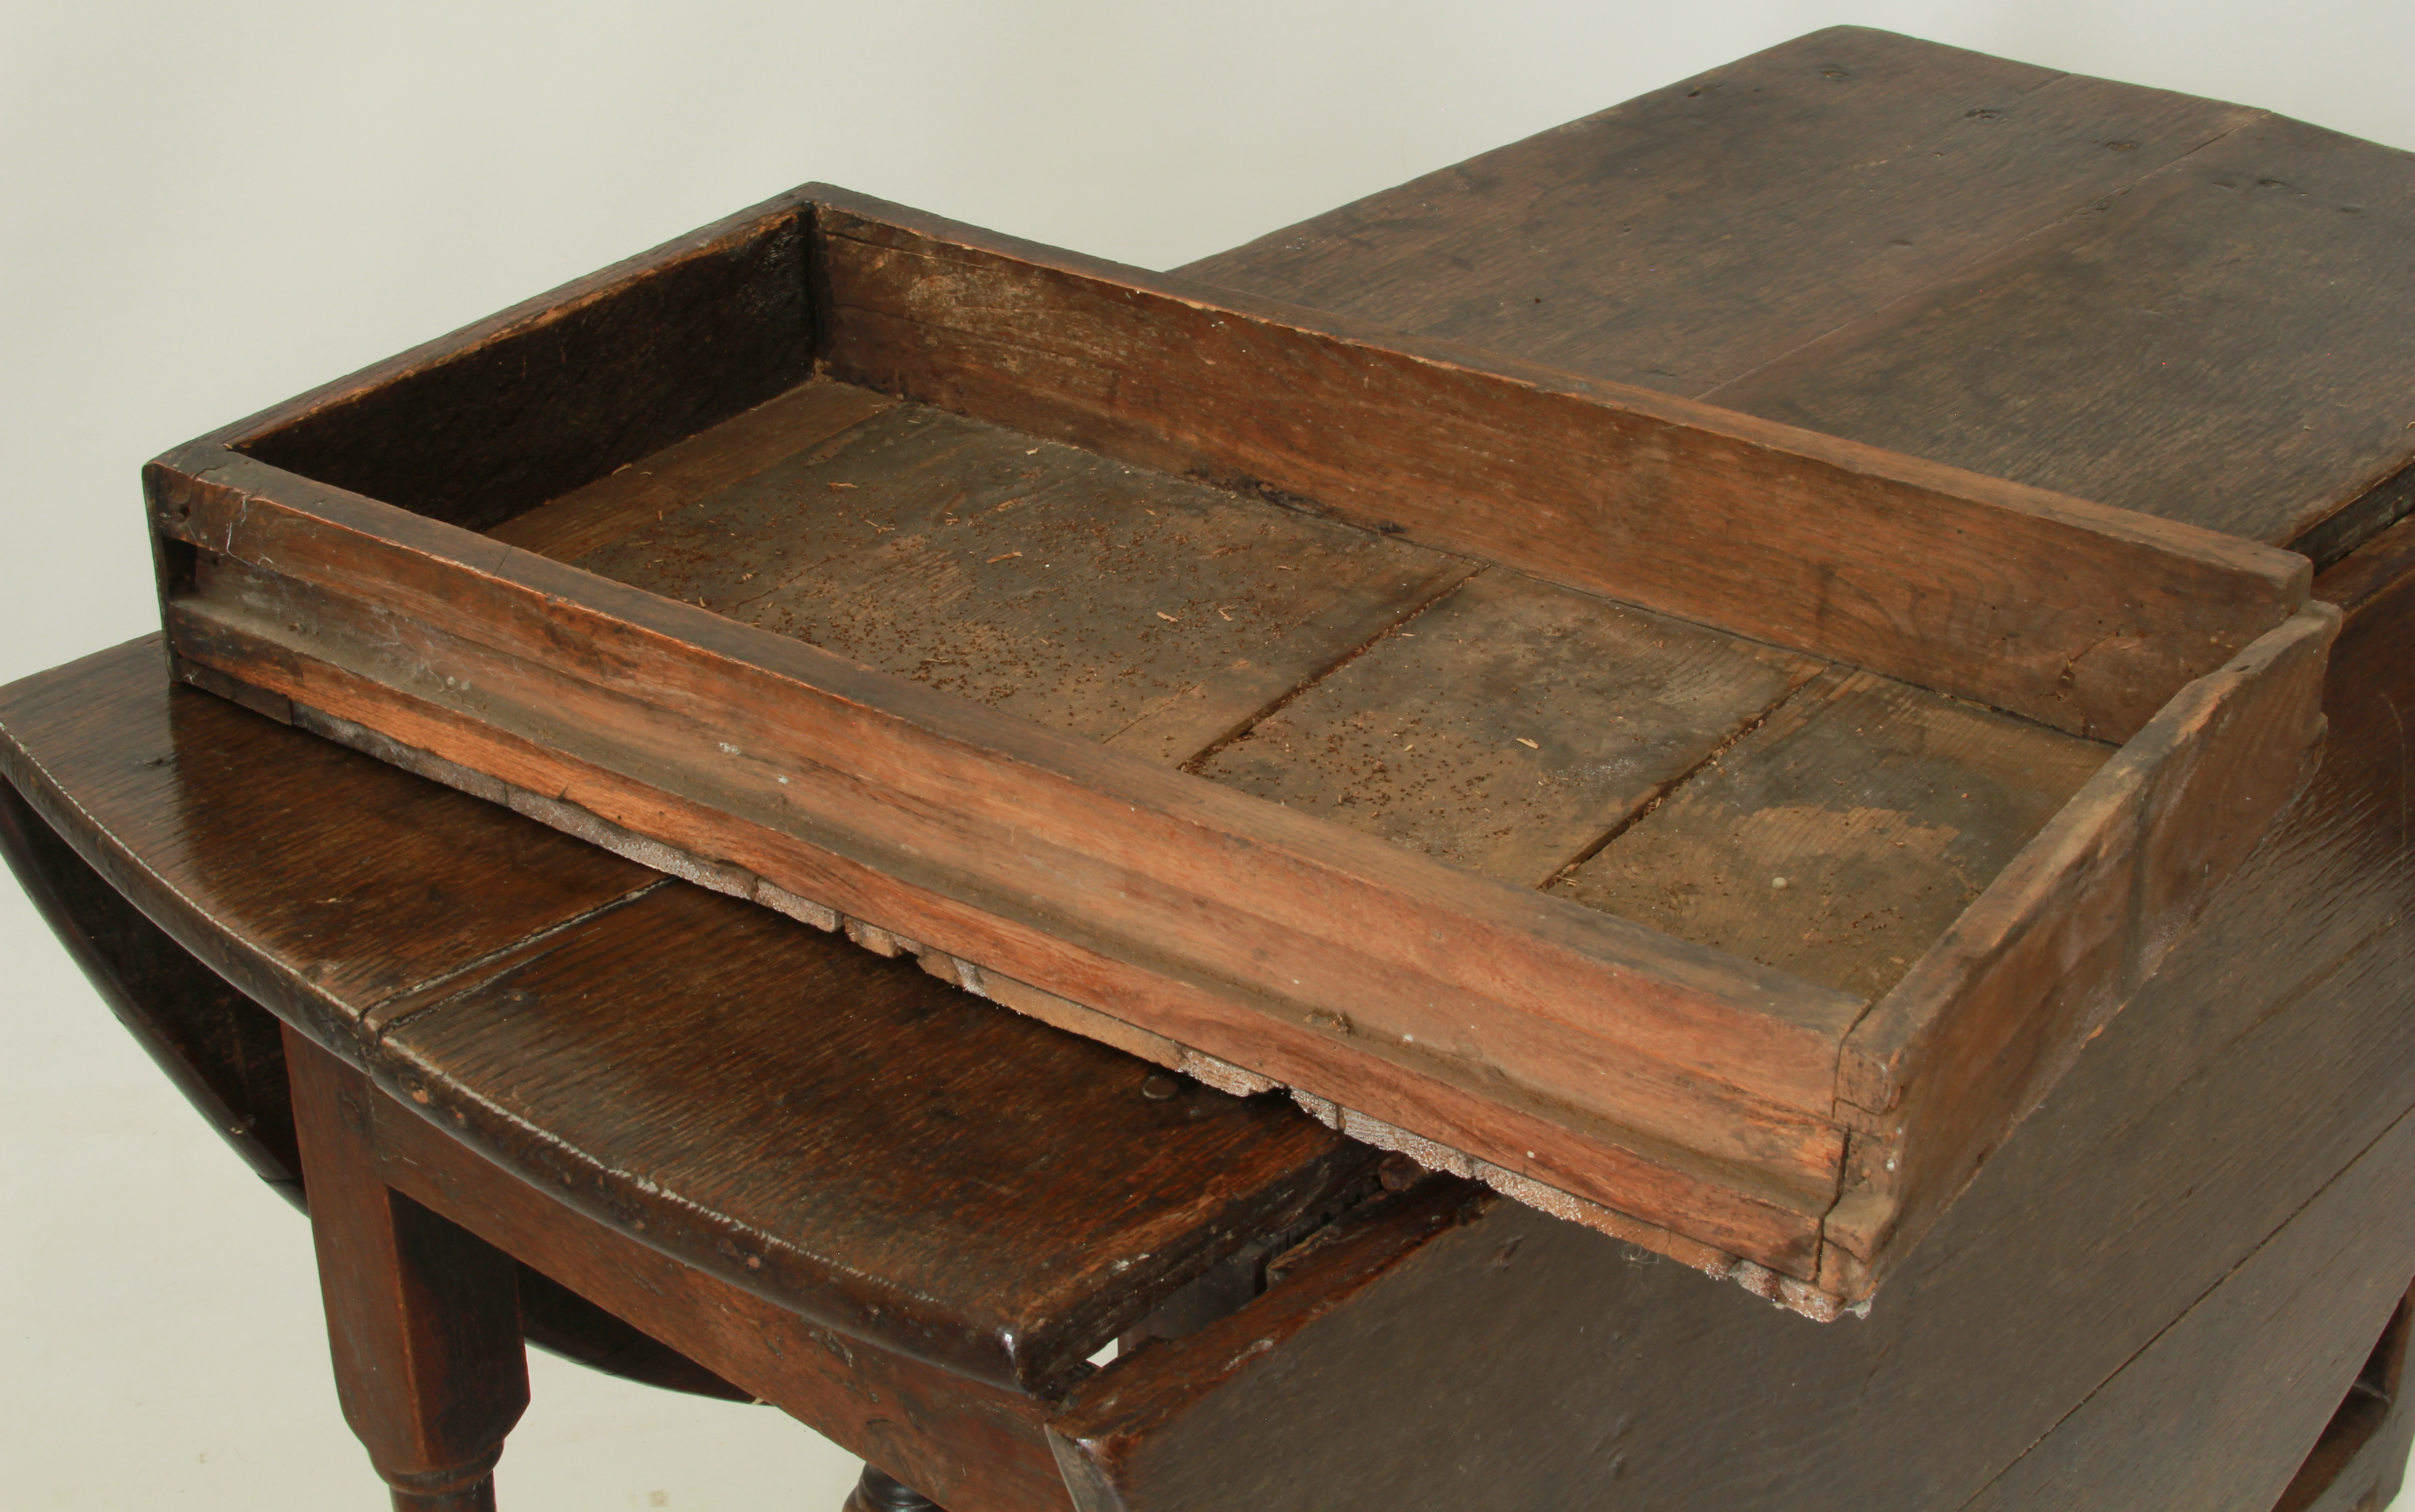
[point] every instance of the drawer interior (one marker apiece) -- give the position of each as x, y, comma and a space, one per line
1804, 813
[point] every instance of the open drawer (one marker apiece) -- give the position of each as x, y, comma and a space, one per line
1708, 831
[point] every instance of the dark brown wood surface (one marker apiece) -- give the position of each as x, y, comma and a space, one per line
1056, 1203
225, 1052
977, 1446
2270, 1052
1144, 611
2171, 305
1619, 1070
2361, 1460
986, 837
2268, 1058
423, 1317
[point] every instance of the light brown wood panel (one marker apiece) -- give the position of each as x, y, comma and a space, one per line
1511, 725
2065, 611
1842, 837
1090, 595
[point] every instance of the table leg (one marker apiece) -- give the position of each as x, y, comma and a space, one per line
880, 1493
423, 1317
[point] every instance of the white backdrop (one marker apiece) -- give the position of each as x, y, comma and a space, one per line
205, 209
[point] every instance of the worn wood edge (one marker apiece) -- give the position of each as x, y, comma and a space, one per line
2371, 570
893, 901
341, 544
360, 1041
1115, 1414
426, 1162
1779, 1290
2256, 584
1402, 1083
1063, 1013
913, 898
1432, 1155
1932, 1080
1108, 1417
283, 990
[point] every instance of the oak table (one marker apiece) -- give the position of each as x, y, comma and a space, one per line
532, 1090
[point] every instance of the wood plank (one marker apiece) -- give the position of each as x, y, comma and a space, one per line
1061, 1218
1764, 1206
2221, 342
1703, 228
1839, 838
1497, 1330
1033, 576
2361, 1460
1970, 254
1510, 727
593, 517
95, 745
2253, 1374
1058, 859
980, 1445
225, 1054
2063, 611
653, 1066
2271, 1049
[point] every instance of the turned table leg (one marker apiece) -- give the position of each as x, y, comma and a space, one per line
423, 1317
880, 1493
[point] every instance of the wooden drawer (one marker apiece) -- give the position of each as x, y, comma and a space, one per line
1704, 830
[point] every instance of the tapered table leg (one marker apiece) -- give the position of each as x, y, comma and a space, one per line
423, 1317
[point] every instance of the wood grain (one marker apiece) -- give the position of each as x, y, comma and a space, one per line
422, 1318
2169, 305
1702, 229
1510, 727
2249, 290
103, 736
2270, 1050
1044, 798
593, 517
487, 423
1842, 837
980, 1446
2361, 1460
1089, 595
2053, 608
2067, 933
1109, 1210
2305, 1307
1048, 1202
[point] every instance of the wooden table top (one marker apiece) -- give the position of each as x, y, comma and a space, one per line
2167, 304
2173, 305
836, 1131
